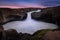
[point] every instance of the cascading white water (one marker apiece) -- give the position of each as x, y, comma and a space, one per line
29, 25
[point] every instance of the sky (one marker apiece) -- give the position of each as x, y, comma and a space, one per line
29, 3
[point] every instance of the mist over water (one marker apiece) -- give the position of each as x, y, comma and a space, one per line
29, 25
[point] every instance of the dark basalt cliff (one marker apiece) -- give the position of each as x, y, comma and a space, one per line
51, 15
7, 14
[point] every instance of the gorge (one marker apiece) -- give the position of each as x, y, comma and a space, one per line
29, 25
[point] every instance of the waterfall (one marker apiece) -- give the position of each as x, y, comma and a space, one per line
29, 25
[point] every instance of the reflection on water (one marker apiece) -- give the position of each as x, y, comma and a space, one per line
29, 25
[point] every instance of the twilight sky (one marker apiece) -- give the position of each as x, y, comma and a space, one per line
29, 3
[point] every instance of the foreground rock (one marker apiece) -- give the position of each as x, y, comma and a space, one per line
17, 17
52, 35
1, 31
24, 36
39, 34
11, 34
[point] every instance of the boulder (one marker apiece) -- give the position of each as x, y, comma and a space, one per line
52, 35
39, 34
8, 15
1, 32
11, 34
24, 36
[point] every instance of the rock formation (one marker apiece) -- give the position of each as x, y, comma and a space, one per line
11, 34
52, 35
24, 36
7, 15
50, 15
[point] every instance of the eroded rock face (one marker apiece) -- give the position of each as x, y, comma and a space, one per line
11, 34
7, 15
2, 33
52, 35
50, 15
24, 36
17, 17
36, 15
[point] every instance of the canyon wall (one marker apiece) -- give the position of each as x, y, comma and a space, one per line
50, 15
7, 14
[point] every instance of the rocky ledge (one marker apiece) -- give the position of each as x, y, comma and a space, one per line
8, 15
50, 15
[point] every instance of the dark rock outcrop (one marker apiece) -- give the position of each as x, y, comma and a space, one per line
35, 15
52, 35
7, 15
1, 32
17, 17
39, 34
11, 34
24, 36
50, 15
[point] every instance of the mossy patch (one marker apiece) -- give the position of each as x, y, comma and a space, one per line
39, 34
